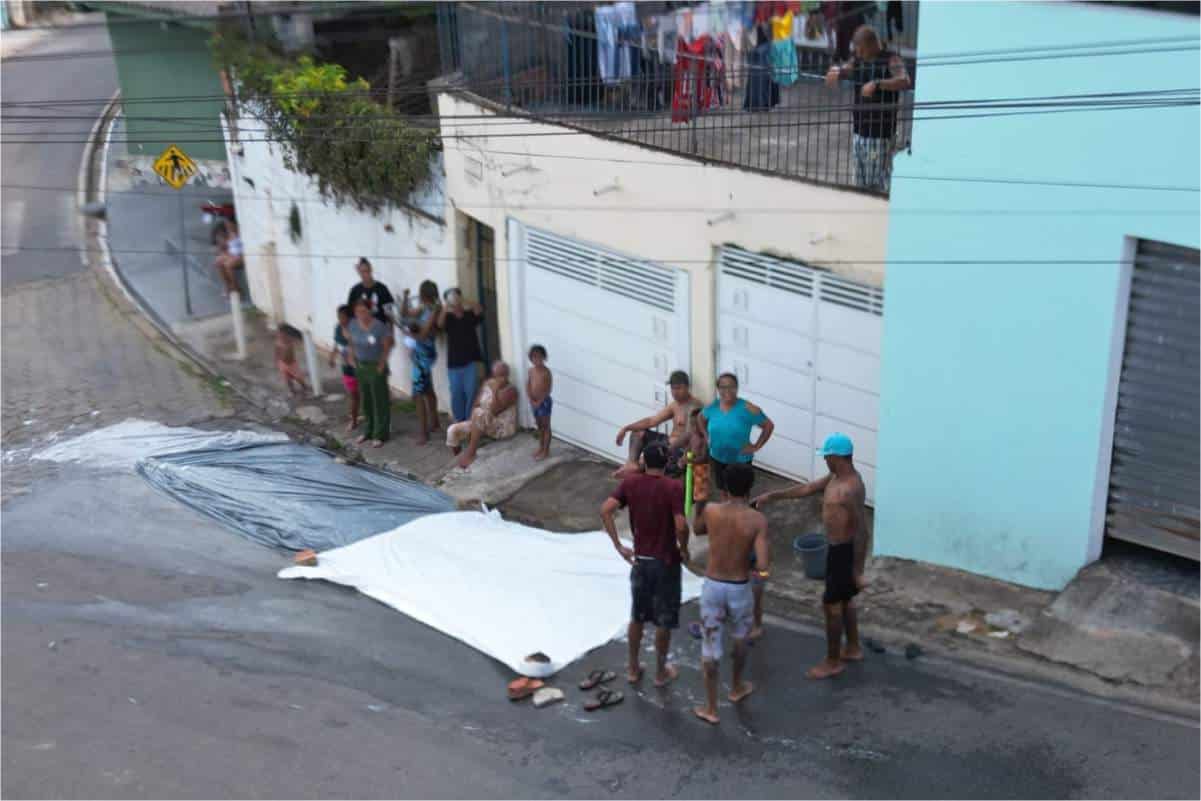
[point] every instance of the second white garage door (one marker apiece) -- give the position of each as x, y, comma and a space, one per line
615, 327
805, 346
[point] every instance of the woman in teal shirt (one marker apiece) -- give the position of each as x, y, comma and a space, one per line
727, 423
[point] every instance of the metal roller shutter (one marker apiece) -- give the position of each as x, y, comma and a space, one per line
1154, 477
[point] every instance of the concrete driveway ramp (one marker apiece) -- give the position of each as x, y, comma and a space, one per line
1117, 630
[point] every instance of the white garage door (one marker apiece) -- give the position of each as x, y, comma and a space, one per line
615, 327
805, 346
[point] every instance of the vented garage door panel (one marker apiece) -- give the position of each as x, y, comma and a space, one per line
1155, 472
776, 346
615, 327
805, 346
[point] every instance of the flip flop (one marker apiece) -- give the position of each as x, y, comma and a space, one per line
596, 677
604, 698
524, 687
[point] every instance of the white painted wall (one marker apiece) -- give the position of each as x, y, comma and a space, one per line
665, 208
317, 272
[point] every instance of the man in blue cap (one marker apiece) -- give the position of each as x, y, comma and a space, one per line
846, 531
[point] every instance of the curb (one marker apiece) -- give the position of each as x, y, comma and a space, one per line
1025, 671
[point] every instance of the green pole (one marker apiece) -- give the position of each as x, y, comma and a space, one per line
688, 486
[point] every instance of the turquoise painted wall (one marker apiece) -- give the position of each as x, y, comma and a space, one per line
156, 60
995, 376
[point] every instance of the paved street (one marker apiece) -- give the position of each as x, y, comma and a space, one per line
70, 360
45, 220
149, 652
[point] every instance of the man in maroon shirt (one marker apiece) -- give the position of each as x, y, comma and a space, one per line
656, 505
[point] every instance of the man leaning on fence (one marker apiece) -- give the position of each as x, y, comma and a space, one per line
879, 76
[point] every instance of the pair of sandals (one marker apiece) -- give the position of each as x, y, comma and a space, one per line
604, 697
524, 687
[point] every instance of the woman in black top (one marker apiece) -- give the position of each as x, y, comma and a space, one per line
377, 295
460, 322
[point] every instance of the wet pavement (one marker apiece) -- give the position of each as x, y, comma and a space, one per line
172, 636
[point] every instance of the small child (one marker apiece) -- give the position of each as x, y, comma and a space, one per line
538, 385
285, 358
342, 352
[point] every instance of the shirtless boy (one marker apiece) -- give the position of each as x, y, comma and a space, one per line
642, 432
844, 521
735, 531
538, 386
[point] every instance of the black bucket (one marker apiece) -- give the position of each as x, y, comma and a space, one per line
812, 548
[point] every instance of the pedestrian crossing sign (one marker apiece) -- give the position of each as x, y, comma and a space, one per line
174, 167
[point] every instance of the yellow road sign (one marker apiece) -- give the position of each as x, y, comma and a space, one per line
174, 167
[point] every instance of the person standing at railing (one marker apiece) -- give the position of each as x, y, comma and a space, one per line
879, 76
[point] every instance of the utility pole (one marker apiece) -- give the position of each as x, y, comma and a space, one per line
250, 29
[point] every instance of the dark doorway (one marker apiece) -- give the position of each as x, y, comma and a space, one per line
481, 282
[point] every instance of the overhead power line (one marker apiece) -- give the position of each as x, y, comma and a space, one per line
164, 191
968, 57
669, 260
625, 135
518, 116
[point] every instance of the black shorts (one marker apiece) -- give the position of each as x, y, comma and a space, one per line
719, 473
840, 574
655, 587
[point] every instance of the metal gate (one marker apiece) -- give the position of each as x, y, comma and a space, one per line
805, 345
1153, 483
615, 326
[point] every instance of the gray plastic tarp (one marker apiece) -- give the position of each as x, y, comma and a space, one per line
289, 495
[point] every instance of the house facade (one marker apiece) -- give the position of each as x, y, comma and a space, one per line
1040, 379
632, 238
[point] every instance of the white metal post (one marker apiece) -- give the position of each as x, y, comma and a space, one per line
310, 357
235, 311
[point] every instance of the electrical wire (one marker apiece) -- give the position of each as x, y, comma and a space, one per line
670, 260
1052, 53
624, 135
514, 117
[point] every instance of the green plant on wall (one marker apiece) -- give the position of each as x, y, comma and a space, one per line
357, 150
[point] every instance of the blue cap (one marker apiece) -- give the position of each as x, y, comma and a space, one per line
837, 444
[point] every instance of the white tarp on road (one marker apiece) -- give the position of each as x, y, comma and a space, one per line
503, 588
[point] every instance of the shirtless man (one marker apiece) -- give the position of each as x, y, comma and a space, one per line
844, 521
642, 432
735, 531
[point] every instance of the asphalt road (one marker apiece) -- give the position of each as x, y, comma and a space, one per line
36, 225
148, 652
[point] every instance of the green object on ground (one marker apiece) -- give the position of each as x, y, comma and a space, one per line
688, 487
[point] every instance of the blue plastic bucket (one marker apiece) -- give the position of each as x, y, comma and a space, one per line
812, 548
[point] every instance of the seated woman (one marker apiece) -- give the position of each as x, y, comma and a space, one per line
494, 415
